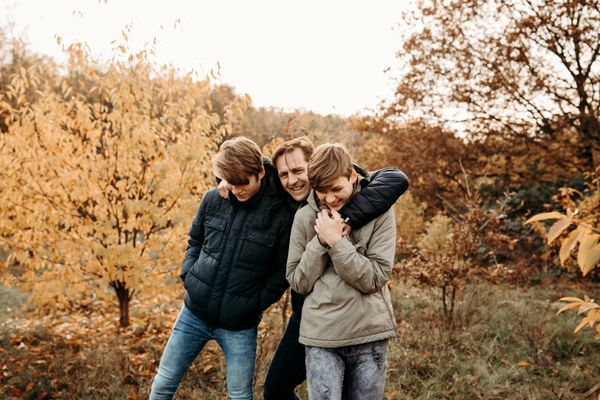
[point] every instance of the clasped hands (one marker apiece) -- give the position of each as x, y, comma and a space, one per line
330, 227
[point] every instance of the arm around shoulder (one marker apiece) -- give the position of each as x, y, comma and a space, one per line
382, 189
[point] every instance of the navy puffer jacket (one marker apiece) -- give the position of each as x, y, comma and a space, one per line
234, 266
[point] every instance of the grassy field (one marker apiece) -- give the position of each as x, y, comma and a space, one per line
505, 343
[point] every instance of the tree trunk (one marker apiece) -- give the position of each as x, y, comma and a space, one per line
452, 299
444, 303
590, 128
124, 295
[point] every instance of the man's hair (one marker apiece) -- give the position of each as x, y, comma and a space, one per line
302, 143
238, 159
329, 162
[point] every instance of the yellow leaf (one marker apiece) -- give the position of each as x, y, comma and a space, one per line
588, 306
544, 216
593, 258
581, 325
557, 228
570, 242
570, 299
568, 306
594, 313
589, 252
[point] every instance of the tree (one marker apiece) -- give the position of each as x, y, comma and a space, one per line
431, 156
522, 68
101, 175
449, 255
14, 58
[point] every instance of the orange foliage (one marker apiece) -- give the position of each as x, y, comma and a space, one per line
100, 176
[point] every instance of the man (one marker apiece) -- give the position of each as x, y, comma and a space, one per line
234, 268
347, 317
379, 191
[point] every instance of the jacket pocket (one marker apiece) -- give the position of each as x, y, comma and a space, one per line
256, 248
214, 228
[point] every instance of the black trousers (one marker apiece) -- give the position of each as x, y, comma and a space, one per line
287, 369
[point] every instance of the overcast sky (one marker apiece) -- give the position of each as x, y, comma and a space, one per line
327, 56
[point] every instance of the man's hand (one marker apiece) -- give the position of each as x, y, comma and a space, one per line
224, 188
329, 227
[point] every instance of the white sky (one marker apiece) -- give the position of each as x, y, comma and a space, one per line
327, 56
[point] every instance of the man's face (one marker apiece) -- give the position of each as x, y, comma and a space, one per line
245, 192
339, 193
292, 170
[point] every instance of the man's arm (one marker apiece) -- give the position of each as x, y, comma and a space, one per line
195, 240
383, 188
369, 272
307, 258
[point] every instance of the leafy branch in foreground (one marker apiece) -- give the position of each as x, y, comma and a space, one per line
588, 258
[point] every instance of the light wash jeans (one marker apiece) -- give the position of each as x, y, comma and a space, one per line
358, 372
187, 339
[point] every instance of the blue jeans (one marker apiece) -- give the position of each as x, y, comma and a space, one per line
187, 339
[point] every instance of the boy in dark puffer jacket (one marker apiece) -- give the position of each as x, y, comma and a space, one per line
234, 268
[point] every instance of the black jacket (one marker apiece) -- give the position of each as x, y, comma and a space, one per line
234, 265
379, 192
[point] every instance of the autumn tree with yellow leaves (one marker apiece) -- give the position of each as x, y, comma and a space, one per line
101, 173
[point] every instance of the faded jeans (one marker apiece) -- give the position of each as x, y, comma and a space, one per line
359, 369
188, 337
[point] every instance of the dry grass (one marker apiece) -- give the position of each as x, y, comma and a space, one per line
506, 343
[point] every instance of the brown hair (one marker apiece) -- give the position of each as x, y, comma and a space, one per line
238, 159
302, 143
329, 162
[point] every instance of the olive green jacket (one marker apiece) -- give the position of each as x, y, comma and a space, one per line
347, 298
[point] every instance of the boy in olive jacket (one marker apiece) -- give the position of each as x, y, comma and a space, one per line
347, 316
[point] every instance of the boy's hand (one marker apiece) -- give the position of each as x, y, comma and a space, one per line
329, 226
223, 189
347, 229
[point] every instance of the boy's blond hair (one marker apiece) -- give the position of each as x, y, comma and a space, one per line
328, 162
238, 159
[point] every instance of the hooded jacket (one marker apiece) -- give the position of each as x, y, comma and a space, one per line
347, 300
378, 192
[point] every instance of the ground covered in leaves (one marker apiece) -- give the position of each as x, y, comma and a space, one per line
504, 342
